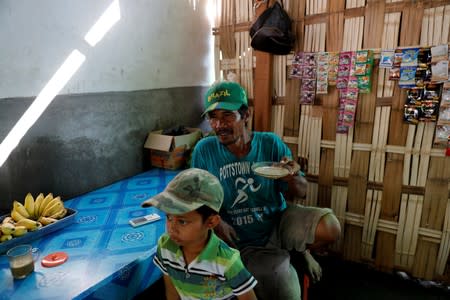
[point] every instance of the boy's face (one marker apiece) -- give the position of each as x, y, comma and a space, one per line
189, 228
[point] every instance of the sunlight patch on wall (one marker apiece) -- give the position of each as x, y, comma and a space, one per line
104, 24
193, 3
42, 101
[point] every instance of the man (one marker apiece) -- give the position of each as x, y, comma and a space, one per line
255, 216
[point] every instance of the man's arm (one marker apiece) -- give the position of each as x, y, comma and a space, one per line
171, 292
226, 233
297, 185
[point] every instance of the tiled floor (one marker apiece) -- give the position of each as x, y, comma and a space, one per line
350, 281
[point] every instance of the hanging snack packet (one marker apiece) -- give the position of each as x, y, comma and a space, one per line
411, 114
361, 62
308, 85
309, 58
307, 97
309, 72
414, 96
423, 71
298, 58
364, 66
386, 59
333, 62
345, 58
364, 84
424, 57
444, 108
348, 99
429, 110
322, 73
439, 53
407, 77
295, 71
353, 64
352, 82
444, 115
409, 57
430, 103
432, 91
340, 127
423, 76
439, 71
344, 69
445, 99
412, 106
394, 72
442, 135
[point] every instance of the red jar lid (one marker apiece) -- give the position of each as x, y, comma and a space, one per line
54, 259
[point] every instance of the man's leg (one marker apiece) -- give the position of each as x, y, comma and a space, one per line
302, 228
277, 279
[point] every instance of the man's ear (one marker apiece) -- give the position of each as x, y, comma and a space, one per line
212, 221
246, 115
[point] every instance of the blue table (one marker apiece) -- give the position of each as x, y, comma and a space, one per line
108, 258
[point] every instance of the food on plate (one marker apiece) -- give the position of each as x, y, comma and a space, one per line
31, 215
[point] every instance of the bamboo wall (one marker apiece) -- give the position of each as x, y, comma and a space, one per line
384, 180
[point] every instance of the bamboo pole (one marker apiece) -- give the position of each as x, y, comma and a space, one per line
446, 25
426, 19
307, 135
438, 20
301, 133
403, 237
444, 248
217, 70
430, 29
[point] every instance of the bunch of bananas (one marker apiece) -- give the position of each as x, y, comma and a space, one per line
31, 215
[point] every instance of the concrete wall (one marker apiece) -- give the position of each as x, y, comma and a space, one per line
155, 44
149, 72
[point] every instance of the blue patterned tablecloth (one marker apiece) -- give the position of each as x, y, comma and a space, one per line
108, 258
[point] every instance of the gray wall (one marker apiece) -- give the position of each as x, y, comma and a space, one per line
148, 72
86, 141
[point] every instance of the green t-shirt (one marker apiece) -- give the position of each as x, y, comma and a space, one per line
252, 204
217, 273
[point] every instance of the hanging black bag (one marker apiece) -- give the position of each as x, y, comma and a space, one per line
271, 32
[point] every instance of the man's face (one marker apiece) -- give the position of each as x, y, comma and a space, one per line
228, 125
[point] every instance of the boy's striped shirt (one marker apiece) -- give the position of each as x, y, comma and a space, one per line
217, 273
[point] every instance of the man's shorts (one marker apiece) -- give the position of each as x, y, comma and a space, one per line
297, 227
270, 265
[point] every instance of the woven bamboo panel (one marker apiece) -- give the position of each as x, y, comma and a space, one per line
386, 182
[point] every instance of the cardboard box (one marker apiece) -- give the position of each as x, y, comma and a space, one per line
171, 152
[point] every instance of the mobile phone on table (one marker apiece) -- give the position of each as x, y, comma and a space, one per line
144, 220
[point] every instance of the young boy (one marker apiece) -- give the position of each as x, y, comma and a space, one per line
196, 264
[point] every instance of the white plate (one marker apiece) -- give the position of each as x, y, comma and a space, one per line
274, 170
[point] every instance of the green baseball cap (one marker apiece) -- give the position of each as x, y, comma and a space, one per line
228, 95
189, 190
